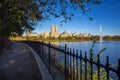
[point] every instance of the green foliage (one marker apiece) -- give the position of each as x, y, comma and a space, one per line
18, 15
116, 37
63, 39
95, 38
95, 72
106, 38
91, 49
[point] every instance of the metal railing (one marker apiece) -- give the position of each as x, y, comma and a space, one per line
69, 64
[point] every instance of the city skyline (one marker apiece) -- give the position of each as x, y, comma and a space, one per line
105, 14
54, 32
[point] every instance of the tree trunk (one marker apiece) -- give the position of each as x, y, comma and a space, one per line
4, 19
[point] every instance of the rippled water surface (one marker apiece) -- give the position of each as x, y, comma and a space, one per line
112, 49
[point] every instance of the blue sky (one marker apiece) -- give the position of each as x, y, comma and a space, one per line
106, 14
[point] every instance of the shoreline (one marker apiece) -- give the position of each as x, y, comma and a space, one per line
69, 40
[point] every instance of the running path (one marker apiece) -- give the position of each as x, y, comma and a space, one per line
18, 63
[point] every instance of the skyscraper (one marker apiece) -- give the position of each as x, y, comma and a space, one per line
54, 31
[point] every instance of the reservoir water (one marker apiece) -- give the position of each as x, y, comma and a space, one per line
112, 49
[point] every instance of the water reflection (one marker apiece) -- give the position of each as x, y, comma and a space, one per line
112, 49
55, 43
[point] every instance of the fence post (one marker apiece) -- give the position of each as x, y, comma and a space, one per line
73, 66
107, 67
40, 49
65, 63
85, 65
80, 65
54, 63
42, 54
119, 69
77, 64
49, 58
98, 66
70, 65
91, 63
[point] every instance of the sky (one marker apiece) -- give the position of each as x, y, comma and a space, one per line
106, 14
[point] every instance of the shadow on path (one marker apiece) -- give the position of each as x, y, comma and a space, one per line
18, 64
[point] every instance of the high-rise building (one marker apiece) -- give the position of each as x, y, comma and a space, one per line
54, 31
64, 34
46, 34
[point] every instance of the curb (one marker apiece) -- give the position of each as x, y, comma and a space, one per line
42, 68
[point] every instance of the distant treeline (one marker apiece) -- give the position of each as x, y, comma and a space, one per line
66, 39
107, 37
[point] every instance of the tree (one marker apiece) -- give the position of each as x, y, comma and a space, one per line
17, 15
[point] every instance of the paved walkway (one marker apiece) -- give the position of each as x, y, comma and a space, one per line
18, 64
